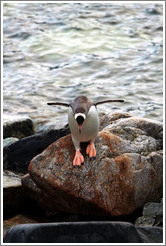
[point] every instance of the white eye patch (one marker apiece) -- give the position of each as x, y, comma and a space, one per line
80, 114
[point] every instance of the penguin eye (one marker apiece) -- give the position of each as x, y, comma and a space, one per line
80, 120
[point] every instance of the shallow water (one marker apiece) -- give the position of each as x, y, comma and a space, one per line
56, 51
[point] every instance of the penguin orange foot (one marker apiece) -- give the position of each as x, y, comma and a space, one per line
78, 159
90, 150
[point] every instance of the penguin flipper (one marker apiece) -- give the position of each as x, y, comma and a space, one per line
107, 101
58, 103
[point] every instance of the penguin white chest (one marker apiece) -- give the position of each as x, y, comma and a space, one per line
90, 125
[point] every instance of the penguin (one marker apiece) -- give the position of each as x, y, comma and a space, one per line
83, 121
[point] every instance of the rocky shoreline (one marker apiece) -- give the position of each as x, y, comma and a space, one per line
120, 191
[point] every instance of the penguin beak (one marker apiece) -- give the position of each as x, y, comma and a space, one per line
80, 128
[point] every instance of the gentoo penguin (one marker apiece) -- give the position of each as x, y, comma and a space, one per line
84, 124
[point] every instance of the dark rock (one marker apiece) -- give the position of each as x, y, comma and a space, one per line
34, 192
16, 220
126, 174
13, 197
15, 200
18, 127
18, 155
83, 232
150, 234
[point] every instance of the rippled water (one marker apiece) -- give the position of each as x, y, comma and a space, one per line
56, 51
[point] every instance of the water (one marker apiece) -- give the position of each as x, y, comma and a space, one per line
56, 51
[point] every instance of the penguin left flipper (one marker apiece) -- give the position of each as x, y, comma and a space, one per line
90, 150
78, 159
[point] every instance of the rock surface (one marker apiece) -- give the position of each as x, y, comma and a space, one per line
12, 193
152, 215
107, 119
17, 126
18, 155
8, 141
126, 174
83, 232
18, 219
15, 200
34, 192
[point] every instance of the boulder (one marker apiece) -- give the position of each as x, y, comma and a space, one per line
18, 155
17, 126
152, 215
83, 232
126, 174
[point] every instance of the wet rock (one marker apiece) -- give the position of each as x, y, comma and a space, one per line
126, 174
17, 126
83, 232
18, 155
152, 215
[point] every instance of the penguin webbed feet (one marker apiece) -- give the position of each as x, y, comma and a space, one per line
91, 151
78, 159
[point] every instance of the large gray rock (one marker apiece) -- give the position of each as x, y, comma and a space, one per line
126, 174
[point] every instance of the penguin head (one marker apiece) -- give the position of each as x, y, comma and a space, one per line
80, 107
